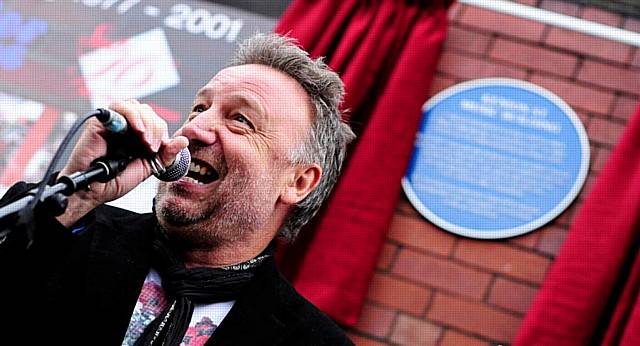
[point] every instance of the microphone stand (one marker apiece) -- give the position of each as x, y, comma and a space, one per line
54, 198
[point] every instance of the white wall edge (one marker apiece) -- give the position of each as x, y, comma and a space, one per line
558, 19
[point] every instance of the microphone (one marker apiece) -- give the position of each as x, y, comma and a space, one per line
116, 123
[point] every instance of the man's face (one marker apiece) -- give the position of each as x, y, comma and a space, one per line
243, 126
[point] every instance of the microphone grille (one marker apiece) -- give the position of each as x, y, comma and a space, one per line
178, 168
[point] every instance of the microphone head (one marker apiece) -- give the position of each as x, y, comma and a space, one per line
177, 169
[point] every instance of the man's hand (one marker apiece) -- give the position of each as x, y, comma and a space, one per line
153, 135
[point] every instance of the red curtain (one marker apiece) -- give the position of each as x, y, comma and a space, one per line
386, 52
590, 295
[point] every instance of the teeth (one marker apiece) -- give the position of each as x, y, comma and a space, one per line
193, 181
193, 167
198, 172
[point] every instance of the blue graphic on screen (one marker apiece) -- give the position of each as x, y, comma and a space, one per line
16, 34
495, 158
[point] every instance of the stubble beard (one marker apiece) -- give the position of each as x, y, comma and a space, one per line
237, 208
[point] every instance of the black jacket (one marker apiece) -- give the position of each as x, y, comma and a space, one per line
81, 289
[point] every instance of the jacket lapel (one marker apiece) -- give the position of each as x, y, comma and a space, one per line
119, 262
255, 318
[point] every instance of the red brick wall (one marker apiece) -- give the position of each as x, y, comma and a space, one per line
435, 288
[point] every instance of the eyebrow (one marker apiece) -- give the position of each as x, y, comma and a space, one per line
203, 92
249, 102
243, 100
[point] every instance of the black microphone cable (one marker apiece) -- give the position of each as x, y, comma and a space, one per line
56, 157
115, 123
27, 213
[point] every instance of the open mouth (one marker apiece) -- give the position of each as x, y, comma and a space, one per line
201, 172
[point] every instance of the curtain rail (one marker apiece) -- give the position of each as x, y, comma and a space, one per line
559, 20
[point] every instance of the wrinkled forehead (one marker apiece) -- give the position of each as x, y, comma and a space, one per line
284, 101
260, 76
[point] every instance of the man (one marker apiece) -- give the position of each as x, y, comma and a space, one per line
267, 144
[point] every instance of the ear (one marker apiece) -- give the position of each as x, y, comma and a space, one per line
305, 179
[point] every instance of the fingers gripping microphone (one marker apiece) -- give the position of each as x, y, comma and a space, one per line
176, 170
116, 123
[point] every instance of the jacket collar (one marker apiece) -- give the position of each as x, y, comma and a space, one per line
257, 317
121, 246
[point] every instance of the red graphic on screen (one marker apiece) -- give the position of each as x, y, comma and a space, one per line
98, 39
133, 67
21, 138
29, 139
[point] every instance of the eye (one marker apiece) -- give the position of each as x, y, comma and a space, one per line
242, 119
198, 109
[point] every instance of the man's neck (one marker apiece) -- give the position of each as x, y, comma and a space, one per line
224, 255
228, 252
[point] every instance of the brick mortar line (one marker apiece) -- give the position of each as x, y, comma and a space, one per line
404, 213
466, 332
598, 59
461, 11
453, 259
545, 33
541, 43
506, 311
418, 249
578, 67
455, 294
424, 315
490, 44
537, 242
454, 248
555, 19
392, 326
440, 338
616, 102
607, 89
491, 33
487, 293
395, 312
504, 242
481, 56
547, 75
394, 257
489, 271
609, 117
429, 304
573, 78
518, 281
586, 85
414, 283
471, 335
603, 145
365, 335
631, 54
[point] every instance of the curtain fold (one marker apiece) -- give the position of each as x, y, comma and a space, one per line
386, 53
590, 295
626, 316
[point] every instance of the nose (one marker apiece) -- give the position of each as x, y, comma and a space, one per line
200, 130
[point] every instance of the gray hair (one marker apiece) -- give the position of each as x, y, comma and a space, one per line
328, 138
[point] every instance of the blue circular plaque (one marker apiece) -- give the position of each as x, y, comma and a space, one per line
496, 158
